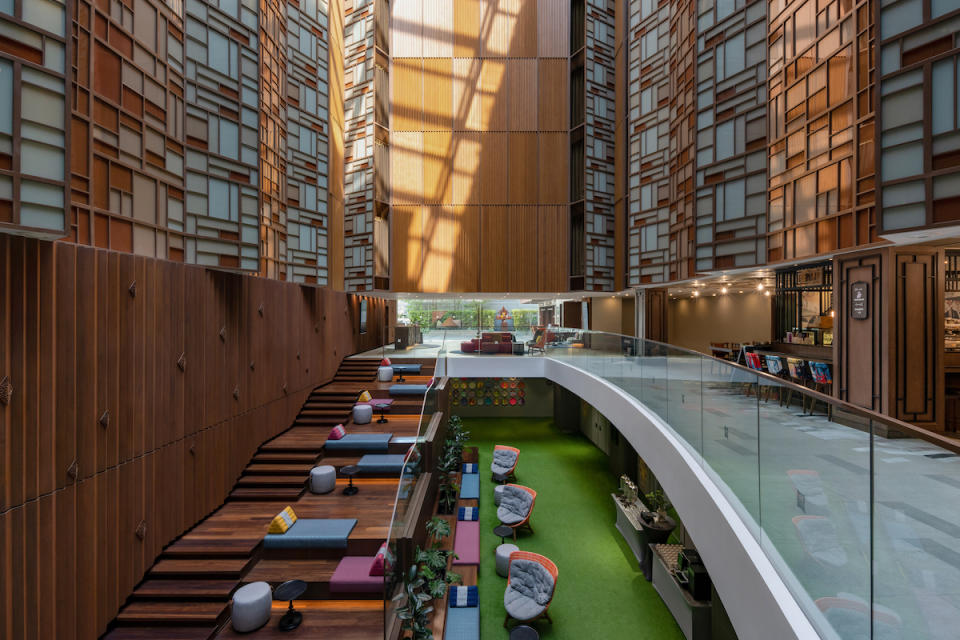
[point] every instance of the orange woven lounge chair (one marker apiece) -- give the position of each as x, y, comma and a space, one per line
503, 472
508, 511
529, 599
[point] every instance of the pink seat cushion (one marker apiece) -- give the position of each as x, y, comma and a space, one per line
353, 576
467, 543
373, 403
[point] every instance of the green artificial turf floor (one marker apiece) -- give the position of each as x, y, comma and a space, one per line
601, 593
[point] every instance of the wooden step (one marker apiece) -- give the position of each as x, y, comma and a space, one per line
272, 481
288, 494
292, 456
325, 411
185, 589
162, 633
277, 469
178, 612
200, 567
194, 545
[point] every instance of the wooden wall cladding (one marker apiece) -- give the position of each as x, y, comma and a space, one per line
493, 147
141, 389
861, 345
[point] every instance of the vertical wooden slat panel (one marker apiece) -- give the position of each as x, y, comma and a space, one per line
522, 249
66, 568
6, 620
407, 250
466, 34
112, 339
15, 445
66, 361
554, 225
496, 27
87, 394
439, 233
87, 564
437, 167
45, 536
466, 168
31, 372
493, 104
31, 578
553, 95
522, 90
406, 166
524, 40
553, 28
493, 167
553, 169
127, 348
438, 28
494, 233
406, 27
46, 370
437, 94
406, 113
522, 177
466, 275
5, 310
467, 94
16, 539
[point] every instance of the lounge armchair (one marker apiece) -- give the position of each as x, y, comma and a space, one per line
539, 340
515, 508
504, 465
531, 582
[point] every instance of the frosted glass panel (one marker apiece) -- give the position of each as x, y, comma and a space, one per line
39, 193
725, 140
219, 199
943, 95
734, 197
229, 139
219, 52
902, 162
46, 14
41, 160
6, 97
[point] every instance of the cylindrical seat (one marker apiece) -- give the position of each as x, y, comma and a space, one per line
385, 374
251, 606
362, 414
498, 494
323, 479
503, 558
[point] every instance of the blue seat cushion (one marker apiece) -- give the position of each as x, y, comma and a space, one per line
360, 442
408, 389
313, 533
406, 368
381, 463
470, 486
463, 623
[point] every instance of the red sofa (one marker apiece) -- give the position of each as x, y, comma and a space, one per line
489, 342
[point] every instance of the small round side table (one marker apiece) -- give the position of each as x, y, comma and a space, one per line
290, 590
383, 408
349, 471
524, 632
503, 531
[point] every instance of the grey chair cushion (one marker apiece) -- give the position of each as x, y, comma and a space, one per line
530, 589
514, 505
503, 461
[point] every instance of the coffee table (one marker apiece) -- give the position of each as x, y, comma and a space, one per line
503, 531
290, 590
524, 632
349, 471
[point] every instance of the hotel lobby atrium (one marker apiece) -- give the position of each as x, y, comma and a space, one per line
479, 319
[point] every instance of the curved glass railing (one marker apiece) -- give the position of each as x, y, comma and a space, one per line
414, 462
857, 511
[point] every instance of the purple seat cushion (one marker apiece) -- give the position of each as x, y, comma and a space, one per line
373, 403
353, 576
467, 543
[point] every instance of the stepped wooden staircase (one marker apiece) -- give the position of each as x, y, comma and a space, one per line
186, 594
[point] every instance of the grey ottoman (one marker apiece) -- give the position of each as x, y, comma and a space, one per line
362, 414
498, 494
503, 558
323, 479
385, 374
251, 606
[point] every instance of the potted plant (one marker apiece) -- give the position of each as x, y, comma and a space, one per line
448, 462
433, 568
437, 529
414, 612
657, 502
449, 491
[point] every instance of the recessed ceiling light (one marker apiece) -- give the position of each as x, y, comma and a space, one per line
723, 290
766, 293
696, 293
760, 287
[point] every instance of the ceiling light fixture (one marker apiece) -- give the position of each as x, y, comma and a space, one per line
723, 290
760, 287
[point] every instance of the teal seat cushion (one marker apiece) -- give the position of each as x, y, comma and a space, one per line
463, 623
380, 463
408, 389
313, 533
470, 486
406, 368
360, 442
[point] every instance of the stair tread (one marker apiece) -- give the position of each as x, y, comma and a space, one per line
161, 633
175, 611
277, 468
200, 566
253, 480
293, 456
157, 588
192, 545
266, 493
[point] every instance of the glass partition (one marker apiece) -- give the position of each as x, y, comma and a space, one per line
828, 489
415, 463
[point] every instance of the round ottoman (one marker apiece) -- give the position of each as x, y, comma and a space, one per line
251, 606
498, 494
385, 374
323, 479
503, 558
362, 414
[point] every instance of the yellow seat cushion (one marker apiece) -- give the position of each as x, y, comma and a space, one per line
365, 397
289, 512
278, 525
